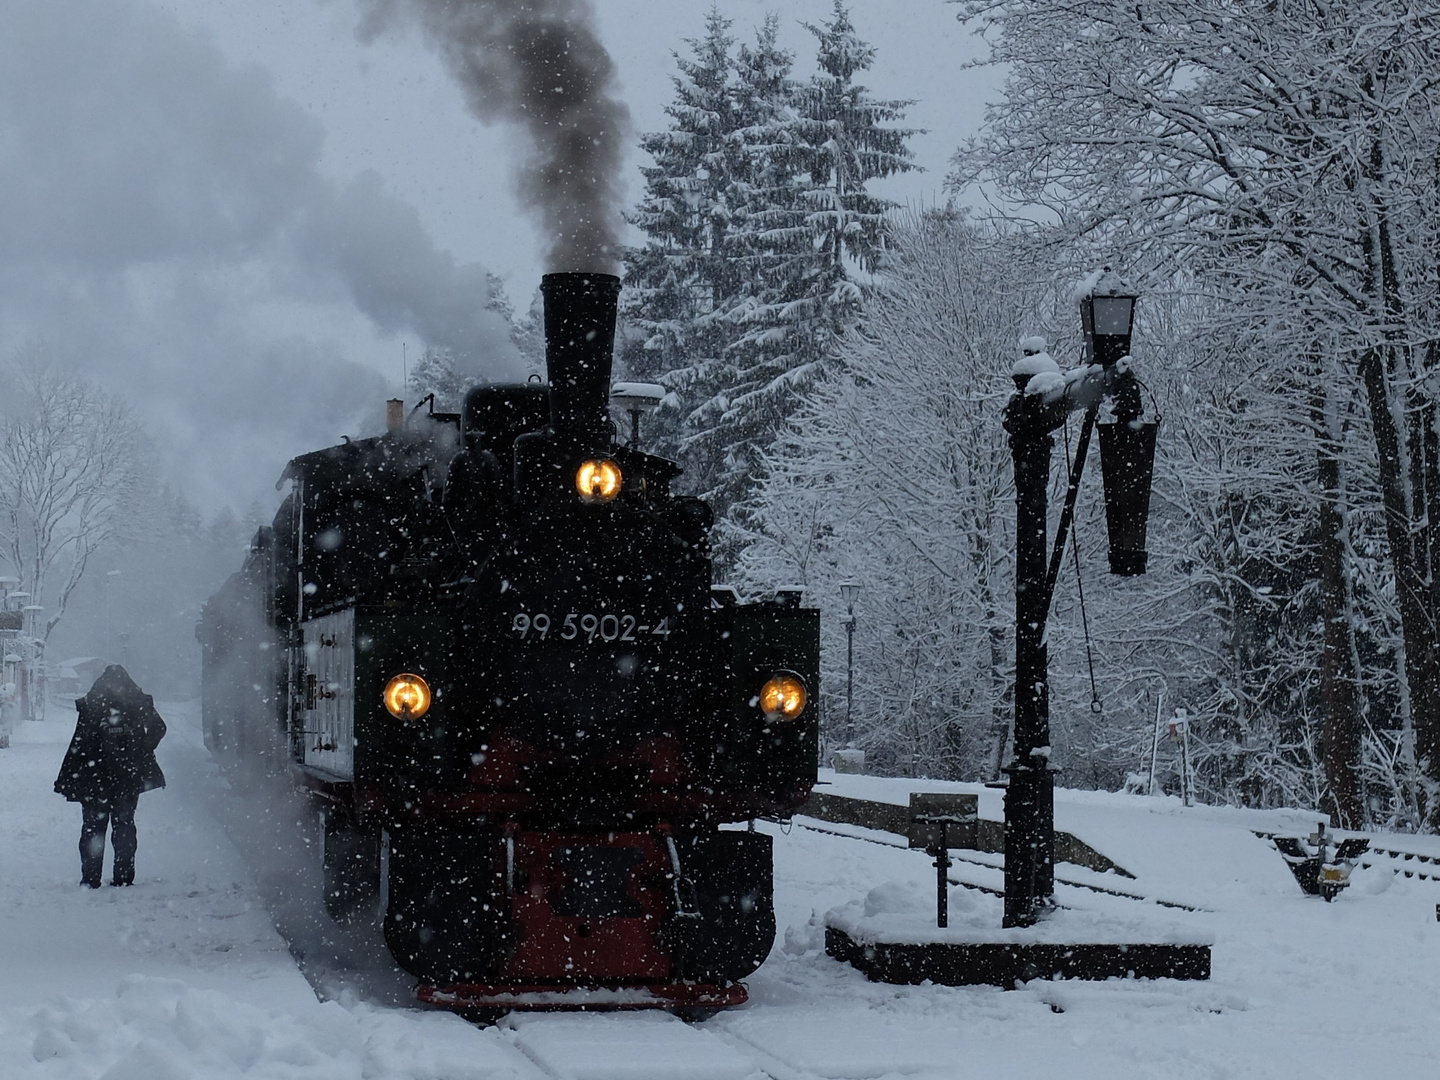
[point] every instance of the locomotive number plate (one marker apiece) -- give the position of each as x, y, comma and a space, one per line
586, 626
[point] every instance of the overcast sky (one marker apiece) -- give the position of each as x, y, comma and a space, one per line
235, 212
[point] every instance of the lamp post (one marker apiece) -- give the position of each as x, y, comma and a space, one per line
32, 684
111, 577
10, 624
849, 593
1043, 399
637, 399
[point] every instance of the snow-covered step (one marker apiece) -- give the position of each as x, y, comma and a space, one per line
854, 1045
628, 1046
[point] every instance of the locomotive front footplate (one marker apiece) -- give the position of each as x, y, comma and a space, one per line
479, 998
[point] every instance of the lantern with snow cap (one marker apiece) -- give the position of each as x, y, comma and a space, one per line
637, 399
1107, 315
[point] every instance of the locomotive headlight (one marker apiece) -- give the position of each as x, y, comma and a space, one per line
598, 480
783, 696
407, 697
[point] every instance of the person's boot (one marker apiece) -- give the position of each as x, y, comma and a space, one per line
90, 870
124, 874
92, 852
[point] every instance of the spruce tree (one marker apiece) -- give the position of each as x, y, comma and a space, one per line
438, 371
681, 278
851, 142
755, 208
730, 418
820, 222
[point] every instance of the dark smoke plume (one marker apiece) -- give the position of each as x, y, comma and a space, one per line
539, 64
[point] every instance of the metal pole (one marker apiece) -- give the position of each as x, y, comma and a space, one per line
1155, 743
1187, 782
850, 678
942, 886
1030, 794
41, 692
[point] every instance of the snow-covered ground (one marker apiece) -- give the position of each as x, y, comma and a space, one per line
184, 975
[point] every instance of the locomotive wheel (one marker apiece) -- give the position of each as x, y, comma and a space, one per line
351, 867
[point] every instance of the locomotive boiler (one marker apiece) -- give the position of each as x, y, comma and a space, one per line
489, 648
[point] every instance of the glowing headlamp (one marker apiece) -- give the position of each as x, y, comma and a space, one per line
598, 480
783, 697
407, 697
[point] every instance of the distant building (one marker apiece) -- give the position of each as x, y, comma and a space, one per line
74, 677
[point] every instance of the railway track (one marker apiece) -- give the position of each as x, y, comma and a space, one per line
1405, 863
994, 863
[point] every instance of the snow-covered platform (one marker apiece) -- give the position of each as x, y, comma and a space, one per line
894, 936
891, 936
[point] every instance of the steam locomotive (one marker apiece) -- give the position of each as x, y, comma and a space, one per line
487, 645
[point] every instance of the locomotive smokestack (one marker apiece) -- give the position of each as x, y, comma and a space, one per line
579, 350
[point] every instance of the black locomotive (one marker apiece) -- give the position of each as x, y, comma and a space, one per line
489, 647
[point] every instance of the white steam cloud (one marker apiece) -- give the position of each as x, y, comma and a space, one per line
164, 225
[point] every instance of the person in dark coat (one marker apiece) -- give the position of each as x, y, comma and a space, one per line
111, 761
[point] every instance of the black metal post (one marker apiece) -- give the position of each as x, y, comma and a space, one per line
1107, 315
850, 678
1030, 795
942, 886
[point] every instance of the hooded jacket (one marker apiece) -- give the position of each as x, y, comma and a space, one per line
112, 753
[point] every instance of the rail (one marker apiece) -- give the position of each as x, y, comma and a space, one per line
989, 835
992, 890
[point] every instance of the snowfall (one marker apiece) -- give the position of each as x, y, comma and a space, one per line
185, 975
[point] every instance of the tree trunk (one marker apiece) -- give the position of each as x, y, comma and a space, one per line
1401, 453
1003, 701
1417, 626
1337, 671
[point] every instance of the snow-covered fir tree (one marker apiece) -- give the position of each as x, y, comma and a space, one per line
894, 473
852, 141
820, 228
440, 372
679, 284
758, 214
726, 419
